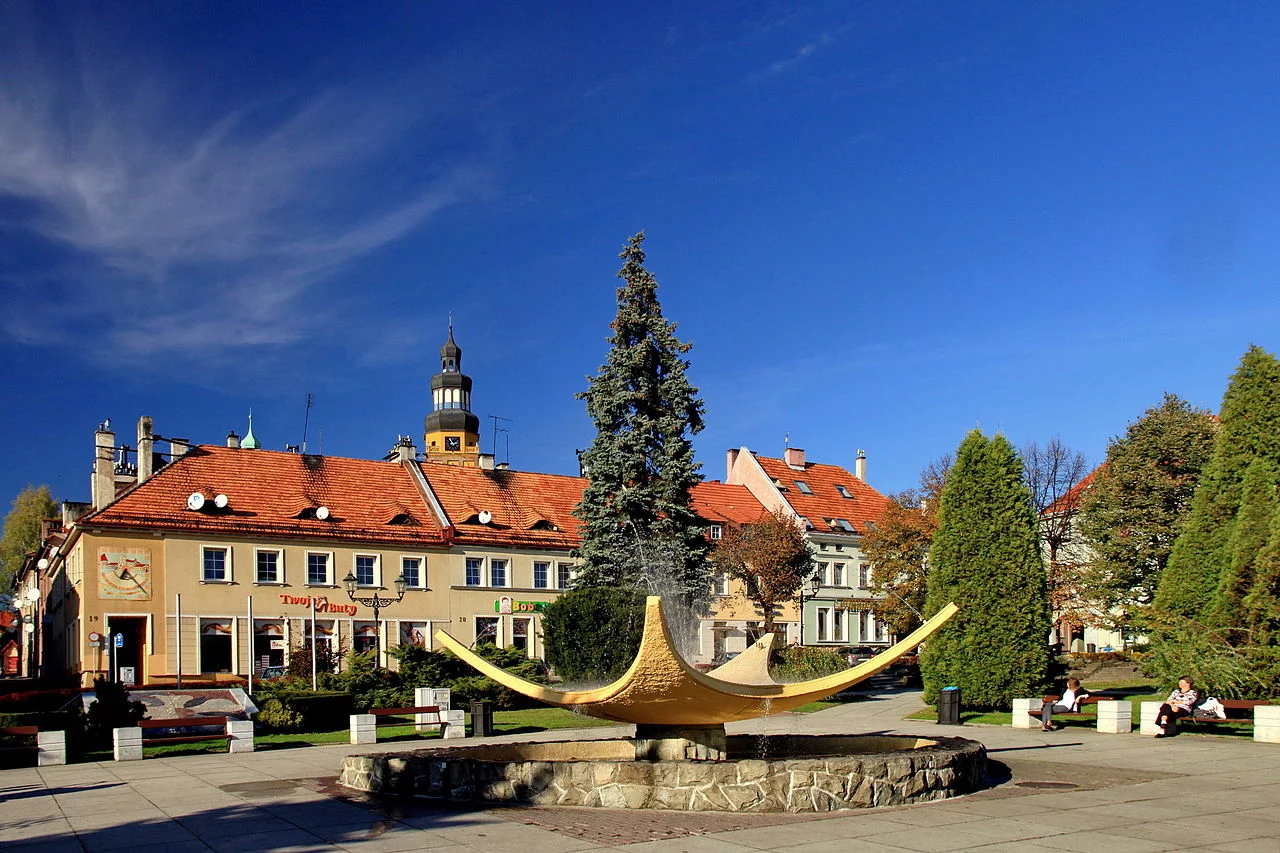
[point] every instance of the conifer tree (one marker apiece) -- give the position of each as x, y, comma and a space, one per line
1249, 537
1138, 501
1249, 430
986, 558
638, 525
1262, 603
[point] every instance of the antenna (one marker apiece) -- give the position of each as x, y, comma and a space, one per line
497, 429
306, 422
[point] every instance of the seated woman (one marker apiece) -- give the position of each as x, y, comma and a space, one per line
1068, 703
1181, 703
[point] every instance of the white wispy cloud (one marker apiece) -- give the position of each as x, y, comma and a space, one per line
177, 228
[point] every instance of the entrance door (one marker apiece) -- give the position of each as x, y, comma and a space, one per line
132, 652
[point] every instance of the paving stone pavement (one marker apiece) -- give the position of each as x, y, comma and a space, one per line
1069, 790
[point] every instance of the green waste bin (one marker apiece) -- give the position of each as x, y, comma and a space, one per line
481, 719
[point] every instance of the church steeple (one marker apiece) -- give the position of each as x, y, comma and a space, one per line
451, 431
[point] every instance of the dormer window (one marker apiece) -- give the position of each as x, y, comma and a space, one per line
844, 493
803, 487
403, 518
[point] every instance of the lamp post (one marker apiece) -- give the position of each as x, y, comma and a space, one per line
811, 585
377, 603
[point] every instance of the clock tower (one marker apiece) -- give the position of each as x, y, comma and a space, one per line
452, 431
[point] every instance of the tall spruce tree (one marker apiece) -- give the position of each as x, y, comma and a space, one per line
638, 525
1250, 535
1138, 501
1262, 603
986, 558
1249, 430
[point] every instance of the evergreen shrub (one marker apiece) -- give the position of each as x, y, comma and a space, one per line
800, 663
593, 634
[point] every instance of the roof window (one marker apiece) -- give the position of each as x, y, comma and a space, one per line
803, 487
844, 493
843, 524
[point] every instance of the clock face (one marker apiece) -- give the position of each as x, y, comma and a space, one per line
452, 443
124, 573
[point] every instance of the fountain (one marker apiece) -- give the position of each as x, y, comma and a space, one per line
681, 757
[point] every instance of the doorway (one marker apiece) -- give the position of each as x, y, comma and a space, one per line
132, 651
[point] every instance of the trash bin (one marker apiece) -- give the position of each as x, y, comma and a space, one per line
949, 706
1090, 648
481, 719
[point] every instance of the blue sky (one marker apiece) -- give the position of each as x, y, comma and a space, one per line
881, 224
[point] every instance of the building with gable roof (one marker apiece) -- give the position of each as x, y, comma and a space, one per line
836, 508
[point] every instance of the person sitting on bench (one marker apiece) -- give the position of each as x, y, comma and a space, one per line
1069, 703
1181, 703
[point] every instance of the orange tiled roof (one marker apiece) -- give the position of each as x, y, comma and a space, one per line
864, 504
271, 493
1071, 500
525, 508
720, 502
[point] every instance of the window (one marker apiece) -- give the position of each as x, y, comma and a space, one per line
722, 584
541, 574
863, 634
844, 493
837, 625
268, 567
366, 570
215, 644
837, 574
365, 637
497, 573
803, 487
318, 569
411, 568
474, 566
564, 575
520, 634
824, 573
824, 623
716, 531
486, 630
864, 575
216, 567
843, 524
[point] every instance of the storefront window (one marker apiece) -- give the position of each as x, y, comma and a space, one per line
520, 634
215, 645
486, 630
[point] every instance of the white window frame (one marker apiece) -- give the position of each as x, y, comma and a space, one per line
228, 564
506, 571
560, 584
546, 574
715, 531
824, 573
864, 575
838, 632
722, 584
486, 618
466, 567
822, 624
376, 583
422, 570
839, 576
280, 577
328, 570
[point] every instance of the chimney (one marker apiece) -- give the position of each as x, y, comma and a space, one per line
178, 447
794, 457
860, 465
486, 461
730, 458
72, 511
103, 491
146, 449
405, 449
233, 440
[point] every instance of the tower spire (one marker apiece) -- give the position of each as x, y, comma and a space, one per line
451, 431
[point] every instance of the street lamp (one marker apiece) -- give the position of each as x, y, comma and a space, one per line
811, 585
375, 601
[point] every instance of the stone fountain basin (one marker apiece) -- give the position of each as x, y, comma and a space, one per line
778, 773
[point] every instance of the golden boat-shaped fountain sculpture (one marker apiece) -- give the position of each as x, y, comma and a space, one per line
661, 689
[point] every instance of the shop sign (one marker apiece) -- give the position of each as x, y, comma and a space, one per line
507, 604
856, 604
277, 644
323, 604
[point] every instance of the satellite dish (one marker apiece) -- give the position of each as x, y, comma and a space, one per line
220, 501
195, 501
485, 516
322, 512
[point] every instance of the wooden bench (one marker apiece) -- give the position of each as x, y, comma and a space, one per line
364, 727
1114, 716
49, 748
238, 734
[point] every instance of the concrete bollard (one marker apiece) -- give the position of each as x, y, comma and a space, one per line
1115, 716
1147, 718
241, 732
364, 728
455, 723
1266, 723
127, 743
1022, 711
53, 748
